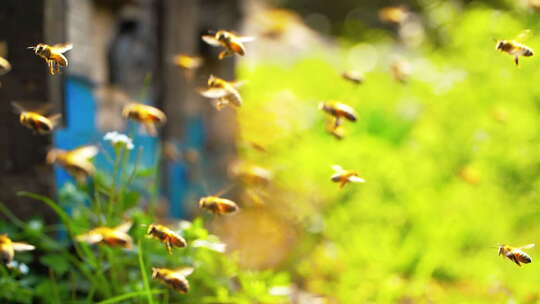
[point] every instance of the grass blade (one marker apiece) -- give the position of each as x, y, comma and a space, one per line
130, 295
144, 274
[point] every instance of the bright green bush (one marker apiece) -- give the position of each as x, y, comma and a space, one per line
450, 158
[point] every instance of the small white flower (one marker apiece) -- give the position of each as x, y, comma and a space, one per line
184, 225
118, 139
20, 267
23, 268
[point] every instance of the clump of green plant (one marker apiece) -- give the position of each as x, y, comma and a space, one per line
449, 158
65, 270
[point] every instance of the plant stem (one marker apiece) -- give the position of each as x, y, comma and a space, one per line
122, 298
15, 220
112, 191
144, 274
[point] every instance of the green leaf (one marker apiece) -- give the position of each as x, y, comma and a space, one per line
55, 262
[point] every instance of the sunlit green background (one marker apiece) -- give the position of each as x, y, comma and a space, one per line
450, 159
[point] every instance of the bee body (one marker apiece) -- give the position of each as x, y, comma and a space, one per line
516, 254
176, 279
394, 14
6, 250
218, 205
5, 66
187, 62
353, 76
37, 122
168, 237
401, 70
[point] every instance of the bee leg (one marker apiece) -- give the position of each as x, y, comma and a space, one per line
51, 68
516, 60
150, 129
337, 122
224, 54
168, 246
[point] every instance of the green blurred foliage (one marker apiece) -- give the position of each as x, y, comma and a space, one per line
450, 158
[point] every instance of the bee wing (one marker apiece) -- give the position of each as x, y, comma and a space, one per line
184, 271
215, 246
85, 152
161, 117
17, 107
55, 119
124, 227
22, 246
357, 179
527, 246
337, 168
523, 35
238, 84
211, 40
62, 47
245, 39
213, 93
90, 237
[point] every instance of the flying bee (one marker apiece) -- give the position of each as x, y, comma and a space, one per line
223, 92
343, 177
250, 174
8, 248
353, 76
276, 23
147, 115
339, 111
188, 63
232, 43
5, 66
174, 278
514, 47
35, 121
53, 55
401, 70
218, 205
516, 254
165, 235
394, 14
534, 4
115, 237
77, 162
